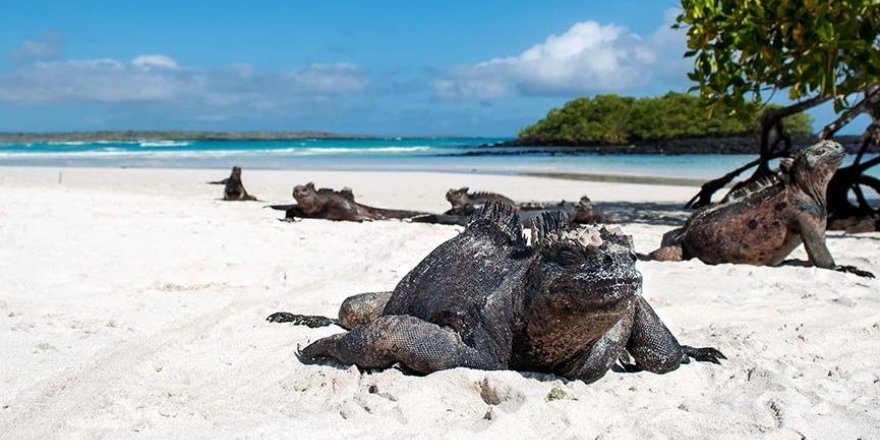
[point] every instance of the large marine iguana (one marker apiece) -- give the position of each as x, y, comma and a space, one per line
569, 303
762, 226
330, 204
234, 189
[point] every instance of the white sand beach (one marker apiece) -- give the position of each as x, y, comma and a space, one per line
132, 305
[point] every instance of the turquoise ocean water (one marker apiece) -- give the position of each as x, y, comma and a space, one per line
412, 154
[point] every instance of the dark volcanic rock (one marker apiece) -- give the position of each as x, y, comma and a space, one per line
742, 144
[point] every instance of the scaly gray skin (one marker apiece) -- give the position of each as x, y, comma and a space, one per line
764, 226
570, 305
329, 204
234, 189
465, 203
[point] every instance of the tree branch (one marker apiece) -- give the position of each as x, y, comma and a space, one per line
871, 96
771, 119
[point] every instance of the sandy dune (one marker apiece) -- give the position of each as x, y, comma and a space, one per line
132, 305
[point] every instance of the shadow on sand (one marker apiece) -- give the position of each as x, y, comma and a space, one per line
668, 214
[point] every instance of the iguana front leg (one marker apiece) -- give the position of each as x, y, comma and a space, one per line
419, 345
593, 364
671, 248
654, 347
813, 236
672, 252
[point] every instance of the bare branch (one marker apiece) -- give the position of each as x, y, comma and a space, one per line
870, 99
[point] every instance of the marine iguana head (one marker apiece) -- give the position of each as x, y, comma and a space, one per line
307, 190
814, 166
582, 282
587, 268
584, 211
307, 197
458, 197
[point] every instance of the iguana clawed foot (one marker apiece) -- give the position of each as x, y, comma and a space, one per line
703, 354
699, 354
306, 359
854, 270
626, 362
306, 320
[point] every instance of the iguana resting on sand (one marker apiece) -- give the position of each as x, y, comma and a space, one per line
465, 203
330, 204
234, 189
762, 227
567, 304
583, 212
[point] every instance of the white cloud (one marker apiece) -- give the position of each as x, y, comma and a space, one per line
329, 78
154, 61
161, 79
588, 57
49, 47
98, 80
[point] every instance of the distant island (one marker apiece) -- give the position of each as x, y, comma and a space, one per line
675, 123
731, 144
617, 120
133, 136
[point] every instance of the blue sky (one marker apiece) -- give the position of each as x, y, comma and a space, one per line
381, 67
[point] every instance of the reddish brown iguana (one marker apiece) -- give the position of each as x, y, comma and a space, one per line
763, 226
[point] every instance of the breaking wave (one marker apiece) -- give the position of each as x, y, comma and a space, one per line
148, 149
164, 143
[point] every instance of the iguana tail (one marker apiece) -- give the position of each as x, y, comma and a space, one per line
312, 321
385, 214
441, 219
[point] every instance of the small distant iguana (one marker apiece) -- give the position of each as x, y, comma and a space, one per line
330, 204
233, 188
465, 203
583, 212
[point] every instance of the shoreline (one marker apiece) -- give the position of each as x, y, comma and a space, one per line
639, 179
743, 144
